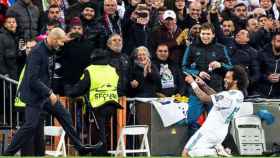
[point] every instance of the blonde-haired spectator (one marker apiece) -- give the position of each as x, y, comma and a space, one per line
144, 76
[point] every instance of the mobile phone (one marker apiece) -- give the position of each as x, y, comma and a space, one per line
75, 35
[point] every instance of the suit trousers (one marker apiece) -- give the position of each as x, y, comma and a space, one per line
32, 117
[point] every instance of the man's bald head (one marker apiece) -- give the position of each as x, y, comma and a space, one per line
56, 38
57, 33
195, 10
110, 6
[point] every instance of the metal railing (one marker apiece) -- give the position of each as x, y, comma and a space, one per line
8, 93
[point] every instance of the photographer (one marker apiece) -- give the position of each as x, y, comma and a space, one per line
138, 30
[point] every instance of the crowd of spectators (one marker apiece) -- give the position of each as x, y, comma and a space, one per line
154, 37
152, 44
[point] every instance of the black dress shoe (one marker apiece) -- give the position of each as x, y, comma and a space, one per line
85, 149
6, 154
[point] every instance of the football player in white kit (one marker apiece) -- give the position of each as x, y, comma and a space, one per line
207, 140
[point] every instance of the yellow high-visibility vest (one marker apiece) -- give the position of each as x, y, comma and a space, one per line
19, 103
103, 84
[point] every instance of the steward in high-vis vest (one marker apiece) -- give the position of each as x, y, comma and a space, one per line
100, 84
18, 102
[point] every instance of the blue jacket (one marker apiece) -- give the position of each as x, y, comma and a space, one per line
198, 56
35, 87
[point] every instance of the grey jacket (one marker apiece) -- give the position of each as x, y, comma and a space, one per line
27, 17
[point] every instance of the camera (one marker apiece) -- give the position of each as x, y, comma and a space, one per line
142, 14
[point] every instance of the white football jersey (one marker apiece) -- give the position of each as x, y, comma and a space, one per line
225, 105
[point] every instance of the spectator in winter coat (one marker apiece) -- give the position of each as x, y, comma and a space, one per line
111, 19
267, 6
240, 13
77, 52
245, 55
53, 13
195, 15
181, 13
224, 30
200, 58
75, 9
8, 56
228, 8
269, 84
171, 78
93, 29
27, 16
120, 61
168, 34
137, 29
264, 35
208, 60
143, 75
9, 48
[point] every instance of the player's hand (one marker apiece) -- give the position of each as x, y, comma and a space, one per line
215, 65
189, 79
205, 76
199, 81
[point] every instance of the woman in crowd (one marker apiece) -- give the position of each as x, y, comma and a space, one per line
143, 76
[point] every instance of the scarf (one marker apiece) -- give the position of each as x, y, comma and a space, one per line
110, 27
275, 11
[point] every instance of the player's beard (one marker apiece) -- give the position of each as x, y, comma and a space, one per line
229, 85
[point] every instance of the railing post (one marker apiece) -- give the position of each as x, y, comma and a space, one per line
4, 101
11, 105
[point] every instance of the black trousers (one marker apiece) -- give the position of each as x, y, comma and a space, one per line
32, 119
103, 114
36, 144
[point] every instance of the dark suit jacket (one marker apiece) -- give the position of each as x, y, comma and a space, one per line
34, 88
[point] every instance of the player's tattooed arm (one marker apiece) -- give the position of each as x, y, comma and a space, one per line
204, 97
204, 86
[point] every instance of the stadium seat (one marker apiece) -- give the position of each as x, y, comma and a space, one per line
132, 130
56, 131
